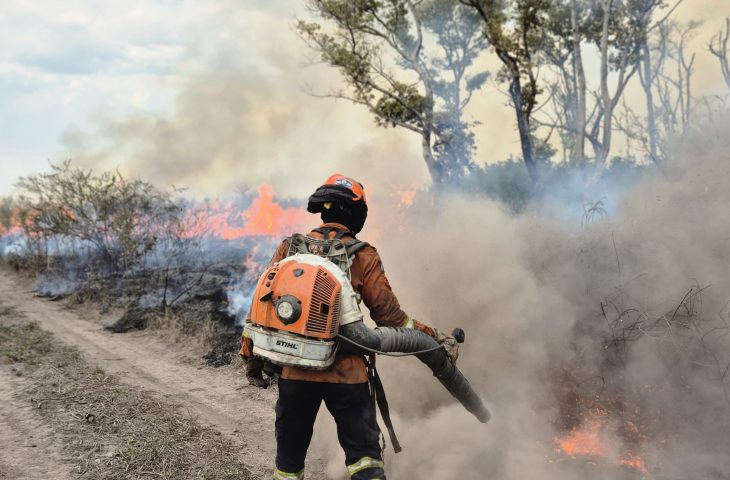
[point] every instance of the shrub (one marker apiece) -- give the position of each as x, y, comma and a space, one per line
113, 218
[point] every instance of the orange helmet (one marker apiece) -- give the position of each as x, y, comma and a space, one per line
340, 199
337, 189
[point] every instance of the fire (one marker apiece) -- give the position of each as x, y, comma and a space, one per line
389, 209
592, 439
633, 461
10, 223
407, 194
584, 440
263, 217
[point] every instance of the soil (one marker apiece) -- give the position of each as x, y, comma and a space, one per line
219, 398
29, 449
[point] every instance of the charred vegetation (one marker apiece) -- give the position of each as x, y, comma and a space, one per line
122, 244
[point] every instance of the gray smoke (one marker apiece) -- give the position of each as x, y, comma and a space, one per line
242, 284
13, 244
626, 316
55, 285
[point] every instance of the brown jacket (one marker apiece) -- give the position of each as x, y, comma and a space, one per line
369, 280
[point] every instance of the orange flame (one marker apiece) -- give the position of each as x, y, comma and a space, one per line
15, 226
590, 440
584, 440
264, 217
407, 194
634, 461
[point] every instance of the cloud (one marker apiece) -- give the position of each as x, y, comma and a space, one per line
78, 38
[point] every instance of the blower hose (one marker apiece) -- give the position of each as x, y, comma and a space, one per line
380, 352
359, 339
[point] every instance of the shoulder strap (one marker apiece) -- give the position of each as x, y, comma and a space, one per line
339, 232
378, 392
325, 231
297, 244
353, 246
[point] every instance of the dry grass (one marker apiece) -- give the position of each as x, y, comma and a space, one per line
195, 326
113, 431
24, 342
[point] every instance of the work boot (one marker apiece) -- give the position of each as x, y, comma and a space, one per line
281, 475
367, 468
370, 474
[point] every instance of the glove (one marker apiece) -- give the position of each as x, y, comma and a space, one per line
255, 373
451, 346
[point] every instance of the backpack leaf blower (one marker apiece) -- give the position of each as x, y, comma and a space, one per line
305, 311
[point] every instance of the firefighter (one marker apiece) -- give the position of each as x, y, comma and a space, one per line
344, 386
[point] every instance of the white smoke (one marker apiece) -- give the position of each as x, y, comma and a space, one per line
607, 311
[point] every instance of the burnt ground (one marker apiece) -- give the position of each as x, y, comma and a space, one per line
198, 318
81, 402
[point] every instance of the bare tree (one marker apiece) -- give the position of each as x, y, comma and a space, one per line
718, 47
667, 83
673, 81
620, 29
580, 83
608, 100
649, 70
685, 69
570, 24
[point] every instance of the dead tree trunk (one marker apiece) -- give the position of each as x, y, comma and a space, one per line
523, 126
580, 86
646, 74
608, 101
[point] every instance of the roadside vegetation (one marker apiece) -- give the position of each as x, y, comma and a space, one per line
122, 244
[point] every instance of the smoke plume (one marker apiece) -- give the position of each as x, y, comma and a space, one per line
243, 114
622, 322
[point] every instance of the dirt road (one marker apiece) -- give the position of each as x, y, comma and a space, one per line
28, 449
219, 397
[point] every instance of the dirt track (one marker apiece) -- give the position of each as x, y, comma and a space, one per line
28, 449
219, 397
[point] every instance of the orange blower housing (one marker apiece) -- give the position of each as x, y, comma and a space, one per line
301, 302
298, 298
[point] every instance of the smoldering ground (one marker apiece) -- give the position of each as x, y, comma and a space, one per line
626, 317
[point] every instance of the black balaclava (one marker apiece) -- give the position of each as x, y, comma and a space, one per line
351, 216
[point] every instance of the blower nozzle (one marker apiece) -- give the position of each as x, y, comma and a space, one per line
406, 340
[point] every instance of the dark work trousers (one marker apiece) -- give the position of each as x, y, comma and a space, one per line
350, 405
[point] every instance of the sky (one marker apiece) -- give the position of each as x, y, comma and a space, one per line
214, 96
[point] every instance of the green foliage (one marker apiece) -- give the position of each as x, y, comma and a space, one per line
409, 64
509, 182
120, 219
506, 181
406, 105
517, 32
